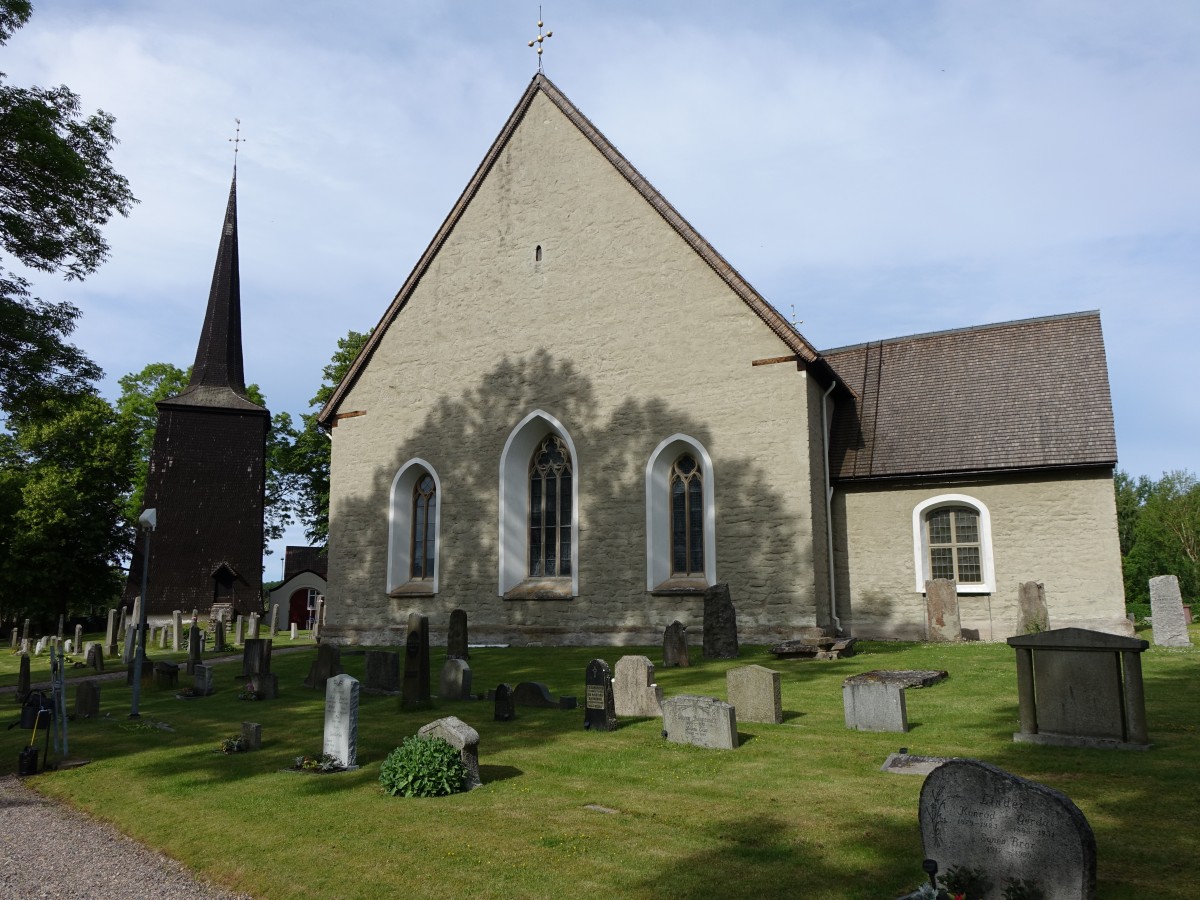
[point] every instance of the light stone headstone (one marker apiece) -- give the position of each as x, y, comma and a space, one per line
634, 692
463, 738
87, 699
456, 635
675, 648
131, 633
942, 621
977, 816
239, 630
176, 629
599, 708
110, 635
202, 680
1032, 615
274, 620
39, 646
720, 624
254, 626
700, 721
341, 720
756, 693
455, 681
1169, 624
252, 735
68, 646
318, 619
219, 637
78, 637
874, 705
382, 672
25, 633
294, 629
122, 621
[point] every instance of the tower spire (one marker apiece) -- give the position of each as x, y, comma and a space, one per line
219, 352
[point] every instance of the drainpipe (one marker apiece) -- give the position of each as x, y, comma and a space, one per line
825, 426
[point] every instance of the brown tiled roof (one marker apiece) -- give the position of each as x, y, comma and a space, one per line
1030, 394
804, 351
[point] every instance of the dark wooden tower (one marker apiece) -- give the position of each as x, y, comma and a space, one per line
207, 467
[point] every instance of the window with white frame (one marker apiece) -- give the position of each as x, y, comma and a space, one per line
413, 530
680, 517
952, 539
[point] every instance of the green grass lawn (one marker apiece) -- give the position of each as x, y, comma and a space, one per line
799, 810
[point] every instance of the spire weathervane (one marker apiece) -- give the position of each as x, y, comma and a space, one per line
235, 140
540, 37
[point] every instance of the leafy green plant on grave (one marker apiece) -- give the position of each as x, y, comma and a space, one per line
326, 762
249, 693
232, 745
423, 767
965, 882
1023, 889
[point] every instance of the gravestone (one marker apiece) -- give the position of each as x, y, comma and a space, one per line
274, 620
720, 624
219, 638
318, 619
239, 630
755, 693
455, 681
599, 707
535, 694
341, 720
194, 649
254, 627
16, 642
61, 625
87, 699
463, 738
166, 675
176, 629
505, 708
1080, 688
416, 663
1169, 624
975, 815
23, 679
78, 638
456, 636
700, 721
327, 664
162, 639
675, 648
202, 680
39, 646
634, 690
942, 622
293, 631
110, 634
95, 657
383, 672
265, 685
874, 705
1032, 615
256, 656
25, 632
68, 647
131, 635
251, 736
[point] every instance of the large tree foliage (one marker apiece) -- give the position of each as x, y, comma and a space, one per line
1159, 524
57, 189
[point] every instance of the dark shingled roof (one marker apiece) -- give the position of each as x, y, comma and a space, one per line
305, 559
1031, 394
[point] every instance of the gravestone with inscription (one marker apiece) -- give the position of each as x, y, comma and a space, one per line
327, 664
1032, 615
256, 656
202, 680
942, 621
505, 709
701, 721
1169, 624
675, 647
977, 816
635, 692
755, 692
416, 663
720, 624
463, 738
341, 720
599, 708
251, 736
455, 681
383, 672
873, 705
87, 699
456, 636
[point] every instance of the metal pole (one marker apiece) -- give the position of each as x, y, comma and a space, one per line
139, 659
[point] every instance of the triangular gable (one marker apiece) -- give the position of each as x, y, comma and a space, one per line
803, 351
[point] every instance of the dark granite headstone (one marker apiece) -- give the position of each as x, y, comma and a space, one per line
383, 672
252, 736
95, 657
219, 638
535, 694
194, 649
327, 664
166, 675
505, 708
456, 637
265, 685
720, 624
23, 679
256, 656
975, 815
87, 699
415, 692
675, 648
599, 707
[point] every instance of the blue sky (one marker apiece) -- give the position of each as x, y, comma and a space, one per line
881, 168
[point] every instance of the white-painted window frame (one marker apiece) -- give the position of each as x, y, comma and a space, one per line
921, 544
658, 509
400, 525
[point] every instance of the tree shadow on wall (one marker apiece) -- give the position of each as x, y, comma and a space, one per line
463, 438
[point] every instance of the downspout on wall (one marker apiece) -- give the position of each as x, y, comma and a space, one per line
826, 423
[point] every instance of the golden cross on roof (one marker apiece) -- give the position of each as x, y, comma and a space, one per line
235, 140
540, 37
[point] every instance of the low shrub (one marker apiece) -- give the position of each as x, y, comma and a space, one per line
423, 767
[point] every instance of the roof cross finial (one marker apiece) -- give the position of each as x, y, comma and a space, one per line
235, 140
540, 37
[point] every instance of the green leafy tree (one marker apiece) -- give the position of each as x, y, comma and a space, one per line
57, 189
1166, 536
1131, 493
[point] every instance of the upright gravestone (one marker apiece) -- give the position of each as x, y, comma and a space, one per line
61, 625
239, 630
274, 619
194, 649
341, 720
416, 663
95, 657
68, 647
254, 626
23, 679
251, 736
1032, 615
318, 619
942, 622
675, 648
1166, 611
219, 637
78, 638
599, 708
25, 632
634, 691
873, 703
162, 638
455, 681
110, 634
131, 633
701, 721
383, 672
505, 709
176, 629
755, 692
256, 656
87, 699
535, 694
456, 636
720, 624
463, 738
977, 816
16, 641
202, 680
265, 685
294, 629
39, 646
327, 664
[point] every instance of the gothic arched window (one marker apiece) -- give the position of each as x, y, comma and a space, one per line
424, 528
687, 518
550, 514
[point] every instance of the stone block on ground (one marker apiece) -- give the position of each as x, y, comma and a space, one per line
634, 691
701, 721
535, 694
505, 709
265, 685
874, 705
327, 664
756, 693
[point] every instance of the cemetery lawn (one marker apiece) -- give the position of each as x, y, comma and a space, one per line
799, 810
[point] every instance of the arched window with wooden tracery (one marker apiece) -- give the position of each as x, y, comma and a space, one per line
424, 528
687, 517
550, 513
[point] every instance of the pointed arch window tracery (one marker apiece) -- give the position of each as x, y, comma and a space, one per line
550, 513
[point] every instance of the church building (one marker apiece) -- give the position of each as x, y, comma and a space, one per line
207, 468
576, 416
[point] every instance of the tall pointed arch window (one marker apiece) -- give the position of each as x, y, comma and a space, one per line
550, 514
413, 530
687, 518
424, 528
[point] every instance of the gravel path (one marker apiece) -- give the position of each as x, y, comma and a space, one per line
50, 850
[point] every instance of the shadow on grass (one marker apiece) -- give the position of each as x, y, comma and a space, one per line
492, 774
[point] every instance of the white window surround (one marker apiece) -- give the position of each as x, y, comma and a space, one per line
514, 498
658, 509
400, 524
921, 549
